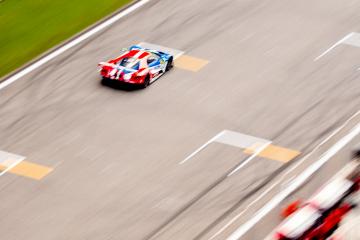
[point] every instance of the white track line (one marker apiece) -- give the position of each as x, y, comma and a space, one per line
298, 182
202, 147
235, 139
71, 44
281, 179
9, 160
334, 46
175, 52
11, 166
250, 158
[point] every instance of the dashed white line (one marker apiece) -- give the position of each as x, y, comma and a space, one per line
71, 44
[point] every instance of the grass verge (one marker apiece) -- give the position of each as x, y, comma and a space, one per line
30, 27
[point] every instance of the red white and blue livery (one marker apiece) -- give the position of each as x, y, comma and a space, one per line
137, 66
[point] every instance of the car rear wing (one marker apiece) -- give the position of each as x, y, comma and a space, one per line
106, 64
103, 64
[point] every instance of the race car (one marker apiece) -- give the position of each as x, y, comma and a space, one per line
137, 66
322, 213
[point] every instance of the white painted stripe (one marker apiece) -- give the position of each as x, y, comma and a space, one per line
354, 40
9, 161
11, 166
235, 139
334, 46
175, 52
201, 148
259, 150
298, 182
137, 55
71, 44
240, 140
282, 178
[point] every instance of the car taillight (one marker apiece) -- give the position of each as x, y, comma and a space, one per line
279, 236
290, 209
137, 79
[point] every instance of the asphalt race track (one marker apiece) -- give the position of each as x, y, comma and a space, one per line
115, 154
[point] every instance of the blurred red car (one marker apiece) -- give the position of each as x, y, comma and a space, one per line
320, 216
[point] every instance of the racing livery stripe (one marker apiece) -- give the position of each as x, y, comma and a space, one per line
138, 54
144, 54
131, 53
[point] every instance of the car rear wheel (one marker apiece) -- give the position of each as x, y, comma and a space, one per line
104, 81
146, 81
169, 64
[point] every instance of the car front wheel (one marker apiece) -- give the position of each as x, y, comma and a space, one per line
169, 64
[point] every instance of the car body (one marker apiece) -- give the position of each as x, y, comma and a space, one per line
137, 66
308, 223
322, 213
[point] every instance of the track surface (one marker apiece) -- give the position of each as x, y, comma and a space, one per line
115, 153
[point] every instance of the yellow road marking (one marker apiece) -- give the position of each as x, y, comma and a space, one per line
190, 63
30, 170
275, 153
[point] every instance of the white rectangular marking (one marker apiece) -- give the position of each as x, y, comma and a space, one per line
257, 151
201, 148
234, 139
354, 40
239, 140
9, 161
175, 52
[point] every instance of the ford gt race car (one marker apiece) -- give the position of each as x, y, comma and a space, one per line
137, 66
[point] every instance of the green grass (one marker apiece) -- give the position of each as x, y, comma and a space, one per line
30, 27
